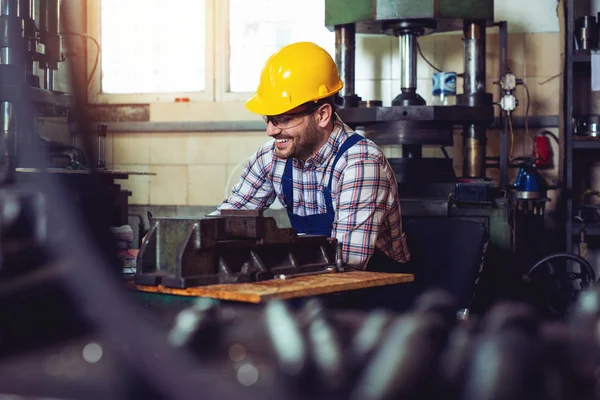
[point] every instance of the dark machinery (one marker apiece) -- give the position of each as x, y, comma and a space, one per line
33, 25
429, 187
238, 246
409, 121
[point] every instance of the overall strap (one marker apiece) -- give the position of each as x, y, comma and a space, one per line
286, 181
351, 141
287, 186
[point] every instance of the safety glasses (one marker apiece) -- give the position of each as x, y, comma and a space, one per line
290, 120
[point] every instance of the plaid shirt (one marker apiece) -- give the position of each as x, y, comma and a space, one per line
364, 193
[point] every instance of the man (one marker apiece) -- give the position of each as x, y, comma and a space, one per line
332, 181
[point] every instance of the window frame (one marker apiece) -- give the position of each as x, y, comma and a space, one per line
217, 58
95, 95
223, 56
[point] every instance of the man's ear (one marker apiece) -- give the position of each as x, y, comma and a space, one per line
324, 115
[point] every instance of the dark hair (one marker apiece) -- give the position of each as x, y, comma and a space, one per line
333, 100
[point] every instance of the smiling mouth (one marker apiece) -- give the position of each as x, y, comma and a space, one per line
282, 140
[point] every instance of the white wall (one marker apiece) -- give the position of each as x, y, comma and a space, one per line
529, 15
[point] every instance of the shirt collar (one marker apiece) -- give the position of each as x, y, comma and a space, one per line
328, 148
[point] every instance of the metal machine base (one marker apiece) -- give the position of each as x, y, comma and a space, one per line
239, 246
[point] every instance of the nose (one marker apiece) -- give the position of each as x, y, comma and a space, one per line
272, 130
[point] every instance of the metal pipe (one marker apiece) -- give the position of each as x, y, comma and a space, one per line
474, 59
505, 131
408, 61
9, 7
34, 9
48, 79
474, 136
11, 26
7, 55
345, 58
8, 132
474, 143
407, 42
49, 28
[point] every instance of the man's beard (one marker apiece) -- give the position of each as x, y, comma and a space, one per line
304, 145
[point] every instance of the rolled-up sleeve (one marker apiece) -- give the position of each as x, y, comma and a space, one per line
255, 190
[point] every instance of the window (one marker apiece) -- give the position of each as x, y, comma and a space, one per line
258, 28
160, 51
206, 50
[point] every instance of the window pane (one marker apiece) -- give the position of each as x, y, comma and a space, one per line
258, 28
160, 50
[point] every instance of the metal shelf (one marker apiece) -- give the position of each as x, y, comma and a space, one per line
586, 144
581, 57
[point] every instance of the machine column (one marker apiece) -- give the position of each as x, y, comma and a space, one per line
407, 41
474, 136
11, 56
345, 58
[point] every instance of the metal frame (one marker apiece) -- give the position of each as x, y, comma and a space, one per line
504, 132
567, 136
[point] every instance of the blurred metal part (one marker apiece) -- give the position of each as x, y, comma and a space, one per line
402, 362
505, 366
287, 338
326, 349
368, 338
196, 326
437, 302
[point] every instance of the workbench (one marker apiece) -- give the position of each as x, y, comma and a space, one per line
304, 286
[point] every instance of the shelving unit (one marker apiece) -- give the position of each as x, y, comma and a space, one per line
577, 149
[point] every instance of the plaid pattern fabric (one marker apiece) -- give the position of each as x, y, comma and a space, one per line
364, 194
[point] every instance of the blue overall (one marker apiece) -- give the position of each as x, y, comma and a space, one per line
396, 297
322, 224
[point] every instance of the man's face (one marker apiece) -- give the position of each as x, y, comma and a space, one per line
296, 136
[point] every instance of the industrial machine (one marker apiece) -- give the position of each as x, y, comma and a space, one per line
429, 186
33, 25
408, 121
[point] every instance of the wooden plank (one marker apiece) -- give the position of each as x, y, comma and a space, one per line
258, 292
83, 171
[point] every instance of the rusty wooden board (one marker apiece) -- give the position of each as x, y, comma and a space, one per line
84, 171
305, 286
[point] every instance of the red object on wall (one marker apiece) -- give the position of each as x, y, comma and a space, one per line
542, 151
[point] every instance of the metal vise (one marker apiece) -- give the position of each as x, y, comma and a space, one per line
237, 246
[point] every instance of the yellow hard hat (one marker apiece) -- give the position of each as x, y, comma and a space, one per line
295, 74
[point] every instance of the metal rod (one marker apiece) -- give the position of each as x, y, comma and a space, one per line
9, 7
12, 30
8, 131
345, 58
328, 270
408, 61
474, 136
48, 79
504, 133
474, 58
49, 27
